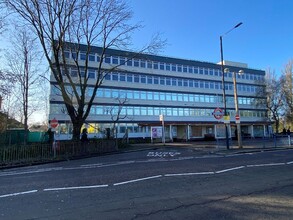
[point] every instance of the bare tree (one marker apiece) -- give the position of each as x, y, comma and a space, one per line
65, 25
274, 100
23, 61
287, 89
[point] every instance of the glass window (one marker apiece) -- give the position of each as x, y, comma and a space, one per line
216, 72
92, 73
196, 98
129, 62
162, 80
122, 77
143, 95
180, 97
186, 111
191, 97
201, 84
174, 81
185, 69
185, 83
212, 85
136, 95
122, 60
168, 81
156, 96
179, 81
174, 97
143, 79
82, 56
115, 93
211, 72
136, 78
173, 67
66, 53
168, 66
150, 110
136, 111
115, 60
115, 76
142, 63
107, 59
98, 58
136, 62
100, 93
168, 97
185, 97
156, 111
201, 71
149, 64
73, 73
206, 71
129, 77
162, 96
190, 83
195, 83
143, 111
156, 65
179, 68
149, 95
169, 111
92, 57
175, 111
129, 94
162, 66
190, 69
107, 93
156, 80
207, 85
73, 55
149, 79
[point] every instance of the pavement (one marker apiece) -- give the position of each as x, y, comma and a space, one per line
209, 147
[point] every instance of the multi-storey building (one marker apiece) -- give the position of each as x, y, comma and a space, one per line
186, 92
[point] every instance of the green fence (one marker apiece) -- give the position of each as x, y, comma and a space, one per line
37, 153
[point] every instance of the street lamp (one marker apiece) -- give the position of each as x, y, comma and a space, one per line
223, 80
239, 138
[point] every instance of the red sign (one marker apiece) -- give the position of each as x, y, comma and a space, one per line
237, 117
218, 113
54, 123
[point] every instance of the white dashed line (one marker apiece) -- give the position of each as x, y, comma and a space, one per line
137, 180
265, 165
189, 174
230, 169
19, 193
75, 187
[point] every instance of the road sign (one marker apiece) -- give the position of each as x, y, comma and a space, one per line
218, 113
54, 123
161, 117
237, 118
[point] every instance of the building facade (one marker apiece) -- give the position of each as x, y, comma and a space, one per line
144, 86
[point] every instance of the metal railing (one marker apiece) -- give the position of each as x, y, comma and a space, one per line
38, 153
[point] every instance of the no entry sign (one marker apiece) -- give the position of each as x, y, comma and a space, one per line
54, 123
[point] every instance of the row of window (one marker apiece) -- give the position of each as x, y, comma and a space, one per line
172, 81
153, 111
167, 81
142, 63
161, 96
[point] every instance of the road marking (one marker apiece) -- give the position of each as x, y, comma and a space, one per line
189, 174
137, 180
289, 162
17, 194
230, 169
266, 164
163, 154
75, 187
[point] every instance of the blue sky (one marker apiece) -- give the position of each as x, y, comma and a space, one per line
193, 28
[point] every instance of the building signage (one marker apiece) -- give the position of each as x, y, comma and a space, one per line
157, 132
218, 113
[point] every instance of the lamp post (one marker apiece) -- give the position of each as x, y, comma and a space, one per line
223, 81
238, 127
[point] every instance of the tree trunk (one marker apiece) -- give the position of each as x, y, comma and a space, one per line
76, 130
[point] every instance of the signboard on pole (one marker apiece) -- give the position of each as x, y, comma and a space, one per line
237, 118
54, 123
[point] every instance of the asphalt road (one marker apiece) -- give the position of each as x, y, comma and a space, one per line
164, 183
